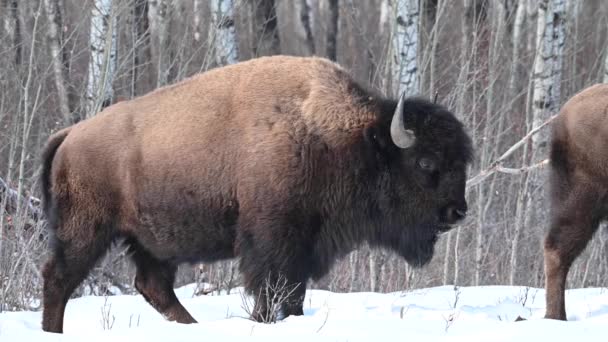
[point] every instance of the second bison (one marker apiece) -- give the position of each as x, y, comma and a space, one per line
284, 162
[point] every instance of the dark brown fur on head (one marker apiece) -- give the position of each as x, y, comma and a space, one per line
284, 162
578, 182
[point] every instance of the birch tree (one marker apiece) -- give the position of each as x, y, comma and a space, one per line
404, 56
56, 50
403, 19
546, 79
265, 28
520, 14
102, 62
223, 34
306, 20
605, 80
158, 17
12, 26
333, 13
196, 22
550, 38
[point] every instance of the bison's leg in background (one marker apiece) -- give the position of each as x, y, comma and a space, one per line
154, 280
77, 247
576, 216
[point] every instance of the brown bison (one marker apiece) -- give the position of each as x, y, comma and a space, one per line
284, 162
579, 187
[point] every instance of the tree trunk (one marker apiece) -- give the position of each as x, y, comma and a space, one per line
158, 17
12, 26
550, 39
333, 12
547, 67
56, 50
223, 33
377, 260
306, 19
605, 80
102, 63
404, 57
266, 35
515, 44
196, 21
141, 78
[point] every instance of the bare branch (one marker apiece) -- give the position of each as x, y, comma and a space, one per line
496, 166
13, 198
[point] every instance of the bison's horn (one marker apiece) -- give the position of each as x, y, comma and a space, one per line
402, 137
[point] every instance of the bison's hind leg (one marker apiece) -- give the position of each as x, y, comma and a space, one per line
154, 280
77, 247
576, 216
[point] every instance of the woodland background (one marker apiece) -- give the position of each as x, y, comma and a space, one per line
504, 66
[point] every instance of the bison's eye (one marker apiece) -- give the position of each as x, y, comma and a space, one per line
427, 164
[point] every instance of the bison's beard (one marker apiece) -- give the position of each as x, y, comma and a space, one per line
417, 244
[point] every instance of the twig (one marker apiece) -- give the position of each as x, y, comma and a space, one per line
496, 166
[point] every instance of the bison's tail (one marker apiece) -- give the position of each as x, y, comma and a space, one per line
45, 176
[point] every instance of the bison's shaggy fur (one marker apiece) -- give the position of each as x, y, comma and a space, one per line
579, 187
284, 162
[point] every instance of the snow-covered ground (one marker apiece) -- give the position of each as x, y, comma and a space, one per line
435, 314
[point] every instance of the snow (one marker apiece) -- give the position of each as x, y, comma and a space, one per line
435, 314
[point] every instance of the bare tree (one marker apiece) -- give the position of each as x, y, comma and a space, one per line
404, 70
57, 55
332, 11
520, 14
547, 65
306, 18
550, 37
223, 34
158, 18
605, 79
196, 22
12, 26
260, 24
102, 63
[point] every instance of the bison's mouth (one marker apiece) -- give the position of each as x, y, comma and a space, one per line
443, 228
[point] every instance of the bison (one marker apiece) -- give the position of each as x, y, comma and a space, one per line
579, 187
284, 162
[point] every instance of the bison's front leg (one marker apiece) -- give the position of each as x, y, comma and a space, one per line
278, 298
274, 275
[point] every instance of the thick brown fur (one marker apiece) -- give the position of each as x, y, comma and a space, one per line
579, 187
285, 162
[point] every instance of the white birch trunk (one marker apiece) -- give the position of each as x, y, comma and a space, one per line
550, 39
55, 48
12, 27
157, 18
605, 79
377, 259
305, 28
406, 23
531, 14
102, 63
196, 7
518, 23
223, 32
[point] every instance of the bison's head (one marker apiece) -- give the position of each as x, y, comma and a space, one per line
425, 151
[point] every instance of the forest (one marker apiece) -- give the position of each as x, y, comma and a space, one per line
504, 67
